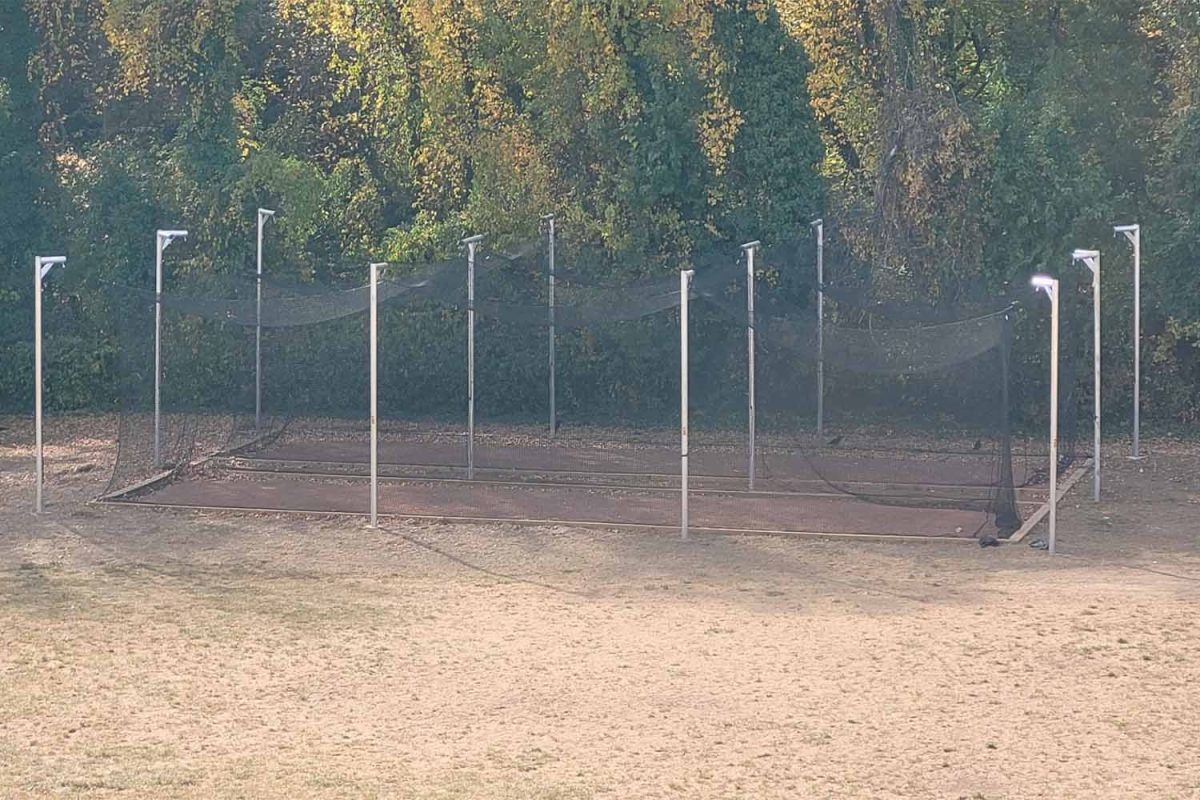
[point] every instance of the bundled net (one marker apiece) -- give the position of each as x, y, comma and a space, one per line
571, 407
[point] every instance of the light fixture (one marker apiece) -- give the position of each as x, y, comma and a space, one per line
166, 237
1045, 283
1088, 257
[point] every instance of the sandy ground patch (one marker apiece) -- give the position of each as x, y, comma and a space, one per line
151, 654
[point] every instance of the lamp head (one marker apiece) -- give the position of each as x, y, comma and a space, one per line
166, 237
751, 245
47, 263
1132, 232
264, 213
817, 223
473, 239
1045, 283
1089, 258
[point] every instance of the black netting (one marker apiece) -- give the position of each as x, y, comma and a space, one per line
913, 433
911, 415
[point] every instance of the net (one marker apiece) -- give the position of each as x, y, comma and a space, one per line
505, 395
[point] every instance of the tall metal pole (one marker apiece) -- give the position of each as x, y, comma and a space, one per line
41, 267
553, 394
263, 215
374, 348
471, 242
1096, 378
1137, 344
685, 284
750, 248
1053, 414
162, 239
1134, 234
819, 224
158, 251
1091, 259
1049, 285
37, 377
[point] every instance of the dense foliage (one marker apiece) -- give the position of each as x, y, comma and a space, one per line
957, 146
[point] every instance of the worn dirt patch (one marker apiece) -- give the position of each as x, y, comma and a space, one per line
171, 654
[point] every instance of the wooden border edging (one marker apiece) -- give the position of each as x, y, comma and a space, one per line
118, 495
574, 523
1072, 478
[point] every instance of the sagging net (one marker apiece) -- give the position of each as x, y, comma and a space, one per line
577, 401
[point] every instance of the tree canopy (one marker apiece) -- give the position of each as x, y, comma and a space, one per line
956, 146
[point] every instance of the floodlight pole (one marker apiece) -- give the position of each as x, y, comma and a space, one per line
1134, 234
685, 285
1050, 287
41, 267
1091, 260
553, 395
263, 215
819, 224
750, 249
374, 347
471, 242
162, 240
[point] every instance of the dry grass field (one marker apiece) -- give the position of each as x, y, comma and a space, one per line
162, 655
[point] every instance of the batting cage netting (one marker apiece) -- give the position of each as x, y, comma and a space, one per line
542, 382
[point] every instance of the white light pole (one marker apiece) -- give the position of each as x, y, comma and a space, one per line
549, 218
1134, 234
41, 268
263, 215
750, 248
685, 286
1091, 260
819, 224
163, 240
1049, 285
374, 348
472, 242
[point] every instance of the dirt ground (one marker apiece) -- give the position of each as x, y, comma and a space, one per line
171, 654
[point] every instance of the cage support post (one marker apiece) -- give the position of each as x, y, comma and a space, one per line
750, 248
1053, 416
1134, 234
1096, 380
158, 251
1091, 260
263, 215
37, 378
685, 285
553, 394
819, 224
472, 242
41, 267
162, 240
374, 334
1049, 285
